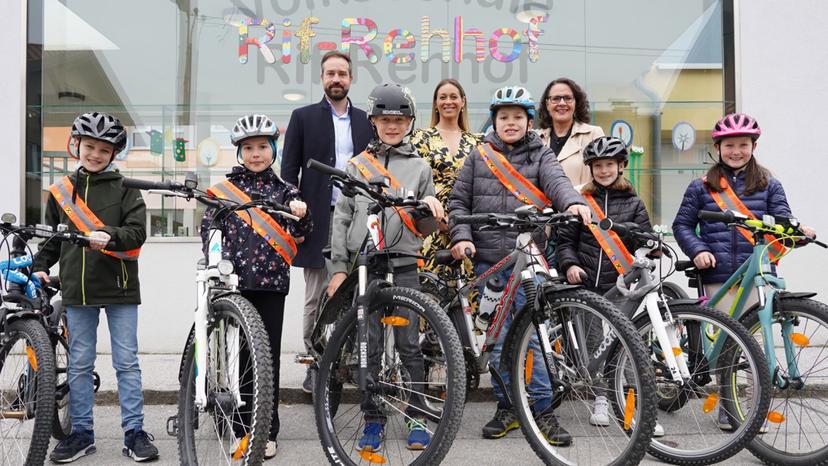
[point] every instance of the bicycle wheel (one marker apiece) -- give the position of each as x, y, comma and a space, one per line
62, 423
736, 381
795, 431
27, 393
397, 399
625, 439
233, 427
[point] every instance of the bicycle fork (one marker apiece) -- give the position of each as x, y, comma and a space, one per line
766, 303
664, 330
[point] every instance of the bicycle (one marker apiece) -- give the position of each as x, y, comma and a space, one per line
691, 381
550, 330
226, 397
31, 331
360, 350
791, 328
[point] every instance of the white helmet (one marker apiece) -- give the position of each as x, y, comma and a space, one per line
253, 125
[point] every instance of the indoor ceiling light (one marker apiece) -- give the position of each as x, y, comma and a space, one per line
293, 95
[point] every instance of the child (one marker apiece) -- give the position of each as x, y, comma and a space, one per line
579, 250
262, 267
392, 115
718, 250
103, 275
478, 189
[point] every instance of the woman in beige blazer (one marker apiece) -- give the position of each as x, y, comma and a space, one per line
563, 114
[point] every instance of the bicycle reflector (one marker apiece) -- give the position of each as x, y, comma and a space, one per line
225, 267
8, 217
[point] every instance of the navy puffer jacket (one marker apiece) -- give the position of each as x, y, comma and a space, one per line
727, 245
257, 264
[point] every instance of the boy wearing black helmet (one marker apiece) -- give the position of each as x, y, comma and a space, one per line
104, 275
581, 249
392, 113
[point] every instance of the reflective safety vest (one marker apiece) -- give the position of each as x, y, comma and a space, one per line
370, 168
728, 200
260, 221
82, 216
609, 240
511, 179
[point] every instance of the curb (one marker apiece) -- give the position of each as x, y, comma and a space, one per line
287, 396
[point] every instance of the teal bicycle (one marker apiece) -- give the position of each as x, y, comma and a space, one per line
792, 329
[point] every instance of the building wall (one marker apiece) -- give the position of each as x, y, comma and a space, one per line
781, 62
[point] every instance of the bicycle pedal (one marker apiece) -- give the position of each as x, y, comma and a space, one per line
305, 359
172, 426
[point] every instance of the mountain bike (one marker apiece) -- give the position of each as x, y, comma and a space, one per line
696, 385
791, 328
369, 346
225, 401
545, 351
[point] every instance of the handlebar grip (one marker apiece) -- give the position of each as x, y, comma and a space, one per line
327, 169
145, 184
608, 224
477, 219
280, 207
723, 217
468, 252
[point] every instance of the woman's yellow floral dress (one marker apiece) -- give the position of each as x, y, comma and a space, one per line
445, 168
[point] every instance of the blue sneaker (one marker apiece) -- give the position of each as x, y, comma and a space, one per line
418, 436
372, 436
77, 445
138, 446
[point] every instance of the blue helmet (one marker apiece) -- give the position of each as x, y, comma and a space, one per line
512, 96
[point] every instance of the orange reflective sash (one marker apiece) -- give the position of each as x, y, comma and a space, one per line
728, 200
260, 221
511, 179
82, 216
609, 240
370, 168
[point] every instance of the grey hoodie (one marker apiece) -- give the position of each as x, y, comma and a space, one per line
351, 214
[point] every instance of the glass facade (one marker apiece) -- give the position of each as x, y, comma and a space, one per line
178, 74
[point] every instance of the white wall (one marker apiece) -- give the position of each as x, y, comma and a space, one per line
781, 65
12, 109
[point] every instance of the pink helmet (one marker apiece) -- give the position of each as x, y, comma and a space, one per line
736, 124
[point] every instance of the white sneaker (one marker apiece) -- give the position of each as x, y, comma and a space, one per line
270, 449
659, 430
600, 412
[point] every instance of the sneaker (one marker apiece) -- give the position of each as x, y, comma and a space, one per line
270, 449
138, 445
307, 385
372, 436
551, 430
600, 412
504, 421
659, 430
724, 421
418, 436
76, 445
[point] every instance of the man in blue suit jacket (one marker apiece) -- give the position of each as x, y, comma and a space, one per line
331, 131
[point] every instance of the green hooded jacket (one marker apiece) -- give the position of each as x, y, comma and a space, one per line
91, 278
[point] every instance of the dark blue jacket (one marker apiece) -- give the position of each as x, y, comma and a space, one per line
310, 135
728, 246
257, 264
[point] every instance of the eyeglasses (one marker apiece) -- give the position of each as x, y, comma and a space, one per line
567, 99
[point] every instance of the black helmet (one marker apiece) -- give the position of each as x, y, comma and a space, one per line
391, 99
605, 147
101, 126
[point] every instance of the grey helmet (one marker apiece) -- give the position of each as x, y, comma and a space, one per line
606, 147
250, 126
391, 99
100, 126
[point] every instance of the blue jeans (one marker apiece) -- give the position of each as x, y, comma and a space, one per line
539, 389
83, 338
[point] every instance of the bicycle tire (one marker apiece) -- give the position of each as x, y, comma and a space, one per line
517, 340
452, 410
44, 390
759, 447
744, 433
224, 309
62, 422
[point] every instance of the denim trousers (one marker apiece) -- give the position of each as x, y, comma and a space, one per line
83, 337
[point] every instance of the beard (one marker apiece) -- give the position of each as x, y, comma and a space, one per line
336, 93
